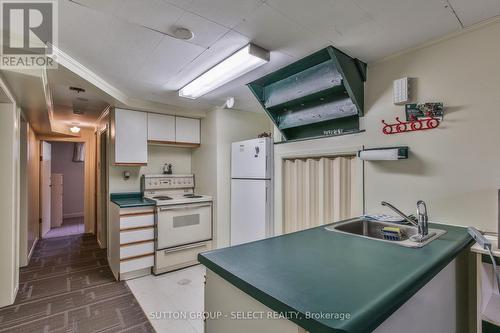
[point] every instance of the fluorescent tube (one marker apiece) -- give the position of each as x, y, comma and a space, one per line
243, 61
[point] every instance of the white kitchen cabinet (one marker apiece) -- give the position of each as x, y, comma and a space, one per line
187, 130
161, 128
131, 137
131, 234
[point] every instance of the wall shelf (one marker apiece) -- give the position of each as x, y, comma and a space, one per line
318, 95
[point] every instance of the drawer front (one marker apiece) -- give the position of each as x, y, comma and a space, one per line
136, 264
135, 236
137, 221
169, 260
129, 251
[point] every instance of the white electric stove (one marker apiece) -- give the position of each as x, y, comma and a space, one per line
183, 223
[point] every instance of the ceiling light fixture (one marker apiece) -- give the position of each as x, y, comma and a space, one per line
75, 129
183, 34
243, 61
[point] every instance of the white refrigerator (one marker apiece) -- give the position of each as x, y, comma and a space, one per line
251, 190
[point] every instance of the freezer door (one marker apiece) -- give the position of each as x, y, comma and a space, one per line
250, 210
251, 159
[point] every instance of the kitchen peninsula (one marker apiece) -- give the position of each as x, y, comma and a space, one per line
323, 281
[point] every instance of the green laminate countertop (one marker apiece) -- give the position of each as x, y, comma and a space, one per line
132, 199
318, 271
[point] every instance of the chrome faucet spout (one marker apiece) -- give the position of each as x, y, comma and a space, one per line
422, 222
400, 213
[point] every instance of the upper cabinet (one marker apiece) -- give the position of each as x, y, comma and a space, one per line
187, 130
131, 137
161, 128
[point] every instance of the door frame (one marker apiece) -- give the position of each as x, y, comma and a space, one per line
40, 194
86, 136
102, 186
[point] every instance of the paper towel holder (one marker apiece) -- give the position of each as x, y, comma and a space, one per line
399, 153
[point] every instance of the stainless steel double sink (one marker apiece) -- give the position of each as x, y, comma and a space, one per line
372, 229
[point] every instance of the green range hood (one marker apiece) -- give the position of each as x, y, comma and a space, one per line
319, 95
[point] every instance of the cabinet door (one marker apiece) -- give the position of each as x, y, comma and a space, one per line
187, 130
131, 137
161, 127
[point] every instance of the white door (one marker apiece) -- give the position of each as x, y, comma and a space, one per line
250, 210
56, 210
161, 127
187, 130
46, 187
251, 159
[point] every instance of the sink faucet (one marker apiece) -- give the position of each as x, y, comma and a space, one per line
422, 221
423, 218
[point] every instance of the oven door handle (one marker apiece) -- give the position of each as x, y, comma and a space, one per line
190, 206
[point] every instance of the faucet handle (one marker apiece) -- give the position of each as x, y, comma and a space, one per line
421, 208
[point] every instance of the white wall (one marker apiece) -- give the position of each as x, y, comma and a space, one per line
157, 157
9, 201
456, 167
220, 128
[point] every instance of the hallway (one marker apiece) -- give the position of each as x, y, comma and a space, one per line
68, 287
70, 226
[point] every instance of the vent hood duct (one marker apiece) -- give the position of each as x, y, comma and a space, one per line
319, 95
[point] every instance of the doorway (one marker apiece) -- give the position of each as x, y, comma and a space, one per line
62, 188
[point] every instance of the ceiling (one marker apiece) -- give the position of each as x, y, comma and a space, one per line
75, 108
27, 86
135, 52
128, 43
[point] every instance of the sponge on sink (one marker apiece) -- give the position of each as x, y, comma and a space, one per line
391, 233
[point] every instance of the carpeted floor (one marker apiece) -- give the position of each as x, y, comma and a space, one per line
70, 226
68, 287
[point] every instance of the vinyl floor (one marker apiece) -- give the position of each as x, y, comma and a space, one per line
69, 287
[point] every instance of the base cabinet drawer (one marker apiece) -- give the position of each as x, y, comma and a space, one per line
169, 260
137, 221
136, 264
134, 236
135, 250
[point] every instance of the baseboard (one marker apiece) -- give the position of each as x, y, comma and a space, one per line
72, 215
100, 244
31, 250
16, 289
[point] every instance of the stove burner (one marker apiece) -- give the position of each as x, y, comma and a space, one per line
194, 196
162, 197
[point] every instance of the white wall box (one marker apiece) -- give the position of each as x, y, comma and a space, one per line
161, 128
187, 130
401, 94
131, 137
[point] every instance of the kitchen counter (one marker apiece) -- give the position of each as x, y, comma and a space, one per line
132, 199
319, 271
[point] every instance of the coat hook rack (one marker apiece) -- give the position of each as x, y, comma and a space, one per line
410, 126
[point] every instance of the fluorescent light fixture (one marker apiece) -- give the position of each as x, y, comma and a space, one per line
75, 129
241, 62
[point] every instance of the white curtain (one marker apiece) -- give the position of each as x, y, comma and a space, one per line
317, 191
79, 152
